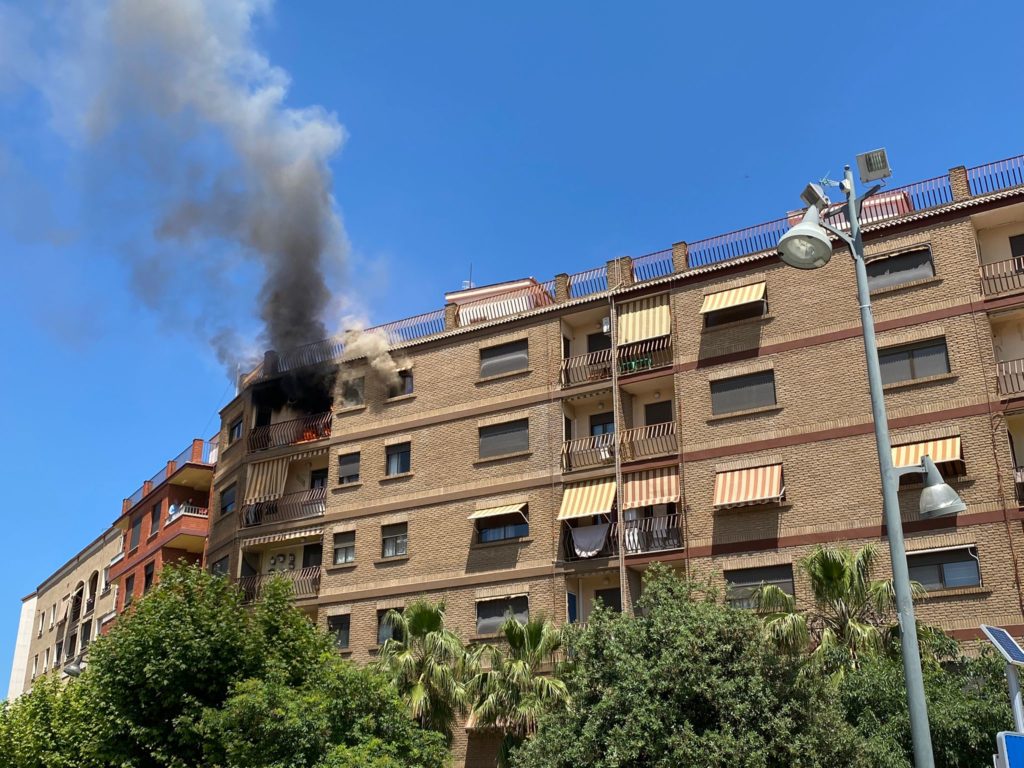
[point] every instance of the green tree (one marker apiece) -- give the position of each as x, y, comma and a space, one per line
686, 682
428, 664
851, 616
512, 691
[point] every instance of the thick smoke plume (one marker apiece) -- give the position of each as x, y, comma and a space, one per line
375, 348
193, 109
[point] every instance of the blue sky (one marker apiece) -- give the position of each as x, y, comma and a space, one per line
522, 139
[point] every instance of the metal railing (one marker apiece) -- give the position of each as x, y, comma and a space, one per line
652, 266
292, 506
997, 176
593, 366
305, 583
1010, 377
506, 304
412, 328
587, 282
1002, 276
646, 355
304, 430
187, 510
159, 477
651, 440
649, 534
593, 451
136, 497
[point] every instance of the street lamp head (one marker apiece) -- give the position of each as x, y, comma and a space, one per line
937, 498
74, 669
807, 245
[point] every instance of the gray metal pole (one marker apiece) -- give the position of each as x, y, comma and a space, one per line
918, 706
1015, 698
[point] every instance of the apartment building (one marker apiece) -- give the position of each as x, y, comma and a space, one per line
165, 520
64, 614
704, 406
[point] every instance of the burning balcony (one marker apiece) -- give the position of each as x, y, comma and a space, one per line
302, 430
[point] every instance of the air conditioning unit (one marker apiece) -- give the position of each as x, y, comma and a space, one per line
606, 325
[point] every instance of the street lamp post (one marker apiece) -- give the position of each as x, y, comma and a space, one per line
807, 246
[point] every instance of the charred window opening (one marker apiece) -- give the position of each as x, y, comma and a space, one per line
302, 393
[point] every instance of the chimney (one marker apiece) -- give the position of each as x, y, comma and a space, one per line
270, 363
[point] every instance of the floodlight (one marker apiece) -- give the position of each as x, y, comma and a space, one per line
937, 498
873, 165
806, 246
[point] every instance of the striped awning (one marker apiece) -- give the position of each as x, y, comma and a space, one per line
593, 497
749, 486
507, 509
654, 486
266, 479
734, 297
944, 449
644, 319
302, 533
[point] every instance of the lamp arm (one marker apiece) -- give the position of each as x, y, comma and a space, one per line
913, 469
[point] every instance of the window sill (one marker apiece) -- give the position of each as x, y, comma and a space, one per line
400, 398
347, 409
741, 414
898, 385
339, 567
152, 536
348, 486
399, 476
737, 323
132, 552
934, 280
956, 592
389, 560
503, 376
501, 543
501, 457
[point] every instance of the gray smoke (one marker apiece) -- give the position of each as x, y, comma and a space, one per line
192, 108
374, 347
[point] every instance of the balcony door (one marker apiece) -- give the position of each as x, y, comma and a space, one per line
658, 413
597, 342
602, 424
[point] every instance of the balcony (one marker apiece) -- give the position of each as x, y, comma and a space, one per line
643, 536
1010, 377
292, 506
646, 442
643, 356
1001, 277
187, 510
582, 369
304, 430
584, 452
305, 583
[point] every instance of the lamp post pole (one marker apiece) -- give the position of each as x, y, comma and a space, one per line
916, 702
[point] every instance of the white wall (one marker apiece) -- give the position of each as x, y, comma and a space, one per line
19, 667
994, 243
1008, 338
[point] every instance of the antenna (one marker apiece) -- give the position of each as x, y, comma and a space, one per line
467, 284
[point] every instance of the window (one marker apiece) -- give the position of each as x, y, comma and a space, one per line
504, 358
235, 430
394, 540
742, 584
491, 614
385, 631
220, 567
734, 314
147, 577
598, 342
403, 386
602, 424
571, 607
399, 459
914, 361
611, 598
1017, 247
106, 580
900, 269
129, 590
57, 651
948, 569
507, 437
53, 609
658, 413
348, 468
318, 478
352, 392
338, 626
743, 393
344, 547
227, 499
154, 519
313, 555
35, 666
502, 527
136, 532
46, 660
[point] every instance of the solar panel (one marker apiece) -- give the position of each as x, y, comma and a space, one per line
1007, 646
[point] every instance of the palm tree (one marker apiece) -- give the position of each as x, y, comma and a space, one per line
428, 664
851, 615
512, 692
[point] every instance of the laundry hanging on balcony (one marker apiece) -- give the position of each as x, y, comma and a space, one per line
588, 540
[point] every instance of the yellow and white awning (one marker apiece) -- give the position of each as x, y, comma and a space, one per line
655, 486
266, 479
942, 450
273, 538
644, 319
506, 509
593, 497
733, 297
749, 486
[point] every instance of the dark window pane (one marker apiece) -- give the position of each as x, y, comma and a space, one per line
504, 358
1017, 246
502, 527
234, 431
742, 393
404, 385
312, 555
508, 437
352, 392
348, 468
658, 413
611, 598
394, 540
571, 607
895, 366
338, 626
398, 458
914, 361
931, 359
154, 519
385, 631
318, 478
597, 342
903, 268
227, 500
491, 614
743, 583
344, 547
147, 577
734, 314
947, 569
602, 424
136, 532
220, 567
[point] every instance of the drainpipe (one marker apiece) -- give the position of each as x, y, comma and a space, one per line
620, 528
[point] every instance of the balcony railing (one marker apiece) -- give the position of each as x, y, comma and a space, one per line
997, 176
652, 266
588, 282
305, 583
649, 534
1010, 377
652, 440
645, 355
187, 510
593, 366
304, 430
291, 506
583, 452
1002, 277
